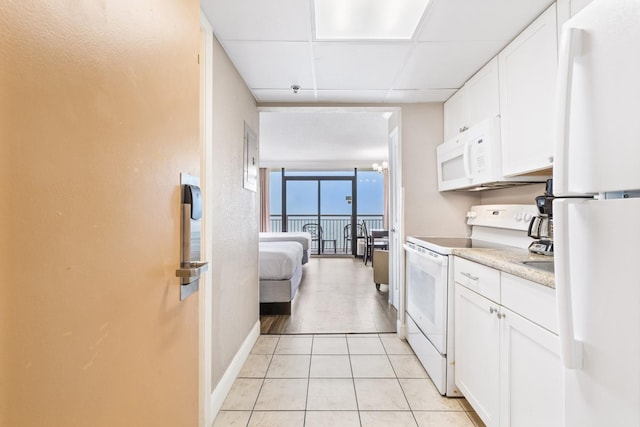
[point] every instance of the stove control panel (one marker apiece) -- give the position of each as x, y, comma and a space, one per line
514, 217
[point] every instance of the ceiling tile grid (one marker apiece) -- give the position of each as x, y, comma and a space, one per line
272, 44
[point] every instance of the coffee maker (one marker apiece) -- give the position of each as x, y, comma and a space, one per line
541, 226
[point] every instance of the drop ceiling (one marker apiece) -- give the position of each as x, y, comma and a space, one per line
273, 46
323, 138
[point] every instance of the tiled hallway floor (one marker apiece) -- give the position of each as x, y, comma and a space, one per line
366, 380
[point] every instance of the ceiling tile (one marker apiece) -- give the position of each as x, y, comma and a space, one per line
450, 20
284, 20
358, 66
368, 96
432, 95
445, 65
272, 65
282, 95
323, 135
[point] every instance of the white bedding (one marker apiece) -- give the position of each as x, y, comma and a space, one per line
279, 260
302, 237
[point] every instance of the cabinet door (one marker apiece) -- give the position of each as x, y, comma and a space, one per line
527, 69
477, 345
484, 93
456, 114
530, 374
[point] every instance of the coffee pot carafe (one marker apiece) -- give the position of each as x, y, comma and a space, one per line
541, 226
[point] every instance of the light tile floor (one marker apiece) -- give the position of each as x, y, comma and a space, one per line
360, 380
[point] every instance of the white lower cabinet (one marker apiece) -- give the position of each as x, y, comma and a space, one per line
507, 366
477, 338
530, 374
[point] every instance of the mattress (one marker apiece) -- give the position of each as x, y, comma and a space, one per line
303, 238
280, 290
279, 260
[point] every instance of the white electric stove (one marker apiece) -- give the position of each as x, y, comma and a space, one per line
429, 283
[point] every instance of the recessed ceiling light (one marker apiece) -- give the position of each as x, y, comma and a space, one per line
367, 19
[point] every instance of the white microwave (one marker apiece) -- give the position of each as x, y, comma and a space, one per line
473, 160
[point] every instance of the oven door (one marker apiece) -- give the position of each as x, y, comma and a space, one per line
427, 283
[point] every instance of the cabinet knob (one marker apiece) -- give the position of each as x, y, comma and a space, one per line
550, 159
493, 310
501, 315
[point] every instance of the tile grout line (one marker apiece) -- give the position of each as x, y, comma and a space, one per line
400, 384
264, 378
306, 401
353, 380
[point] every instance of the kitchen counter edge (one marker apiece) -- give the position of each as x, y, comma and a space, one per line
510, 261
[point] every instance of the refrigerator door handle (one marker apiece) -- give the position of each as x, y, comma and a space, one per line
570, 348
570, 48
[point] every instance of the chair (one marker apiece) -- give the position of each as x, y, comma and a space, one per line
324, 242
316, 234
346, 233
380, 267
371, 244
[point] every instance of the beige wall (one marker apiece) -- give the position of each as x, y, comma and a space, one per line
99, 117
235, 210
525, 194
428, 212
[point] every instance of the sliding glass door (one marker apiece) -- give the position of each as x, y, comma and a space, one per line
335, 201
336, 214
322, 205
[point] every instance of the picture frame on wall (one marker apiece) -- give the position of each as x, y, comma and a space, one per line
250, 169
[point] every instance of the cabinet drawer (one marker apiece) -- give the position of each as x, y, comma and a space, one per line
531, 300
477, 277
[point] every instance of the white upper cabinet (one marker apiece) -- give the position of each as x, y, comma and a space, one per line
527, 68
484, 93
456, 114
477, 100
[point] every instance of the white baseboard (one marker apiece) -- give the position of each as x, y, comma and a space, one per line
224, 385
402, 329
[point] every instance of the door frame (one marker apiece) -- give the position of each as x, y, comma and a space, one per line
205, 320
396, 224
395, 120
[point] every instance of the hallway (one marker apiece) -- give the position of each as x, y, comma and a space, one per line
367, 380
336, 295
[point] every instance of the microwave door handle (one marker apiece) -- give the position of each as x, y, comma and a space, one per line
466, 161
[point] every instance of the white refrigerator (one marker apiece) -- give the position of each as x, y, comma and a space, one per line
597, 214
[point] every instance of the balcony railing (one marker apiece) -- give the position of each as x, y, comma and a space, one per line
333, 228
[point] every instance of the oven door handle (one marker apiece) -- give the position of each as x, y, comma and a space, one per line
431, 256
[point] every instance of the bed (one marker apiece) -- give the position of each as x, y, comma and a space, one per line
301, 237
280, 267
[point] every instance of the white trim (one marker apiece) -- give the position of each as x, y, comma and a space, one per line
205, 418
401, 329
224, 385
